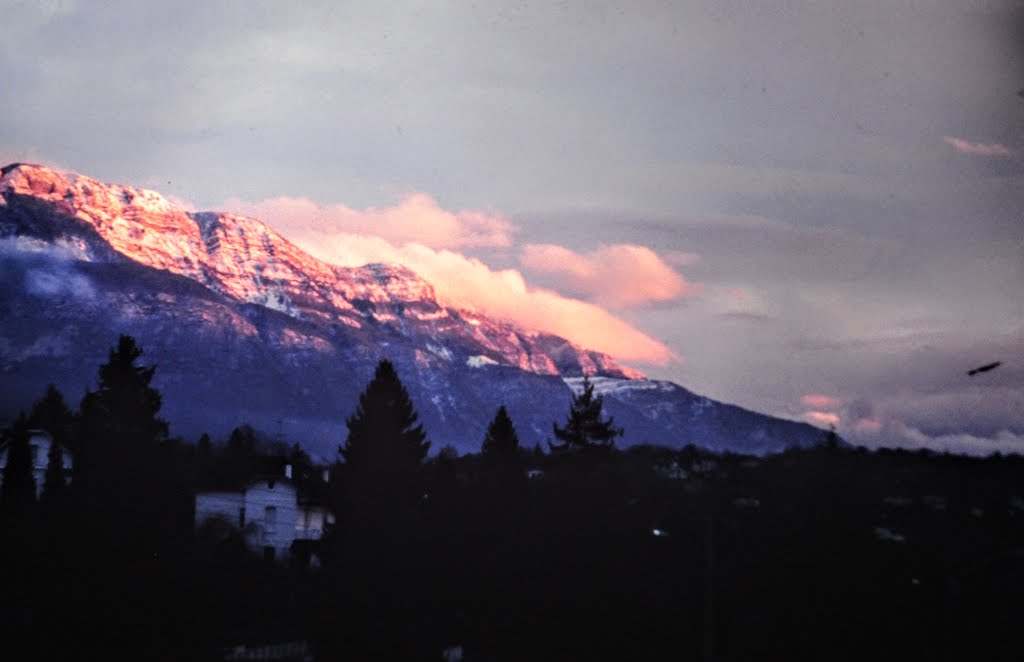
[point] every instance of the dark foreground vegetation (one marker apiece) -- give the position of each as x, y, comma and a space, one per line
582, 552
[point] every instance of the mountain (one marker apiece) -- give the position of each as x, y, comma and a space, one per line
246, 327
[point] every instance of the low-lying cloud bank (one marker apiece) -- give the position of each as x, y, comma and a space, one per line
894, 434
978, 149
858, 423
44, 270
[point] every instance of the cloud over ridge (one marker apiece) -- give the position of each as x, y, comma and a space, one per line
616, 276
420, 235
416, 218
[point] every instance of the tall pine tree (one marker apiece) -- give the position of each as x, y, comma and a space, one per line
19, 485
585, 429
118, 469
124, 406
54, 481
385, 448
52, 414
501, 440
501, 463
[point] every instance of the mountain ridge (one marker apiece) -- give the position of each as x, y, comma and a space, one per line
246, 327
245, 259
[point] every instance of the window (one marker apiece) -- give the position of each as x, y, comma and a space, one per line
270, 519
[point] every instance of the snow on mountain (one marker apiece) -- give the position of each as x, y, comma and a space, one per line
246, 327
244, 259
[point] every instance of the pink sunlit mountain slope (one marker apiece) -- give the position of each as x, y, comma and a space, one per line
244, 259
246, 327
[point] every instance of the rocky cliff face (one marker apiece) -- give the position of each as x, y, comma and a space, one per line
246, 327
242, 258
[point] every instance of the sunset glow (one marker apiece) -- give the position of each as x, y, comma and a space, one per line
618, 276
836, 225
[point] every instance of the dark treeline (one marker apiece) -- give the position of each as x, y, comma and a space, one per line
580, 551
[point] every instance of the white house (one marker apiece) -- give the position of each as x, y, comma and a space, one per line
39, 443
268, 512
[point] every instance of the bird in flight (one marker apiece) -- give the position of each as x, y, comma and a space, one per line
984, 368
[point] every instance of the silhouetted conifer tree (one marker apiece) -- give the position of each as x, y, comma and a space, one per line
501, 439
19, 486
120, 416
302, 467
118, 473
385, 447
242, 440
499, 452
831, 439
240, 460
51, 413
204, 447
585, 429
54, 485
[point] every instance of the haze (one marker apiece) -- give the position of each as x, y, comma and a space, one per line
808, 209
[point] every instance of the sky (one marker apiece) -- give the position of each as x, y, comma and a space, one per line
810, 209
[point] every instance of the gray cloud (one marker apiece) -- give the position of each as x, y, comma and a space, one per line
52, 284
798, 148
44, 270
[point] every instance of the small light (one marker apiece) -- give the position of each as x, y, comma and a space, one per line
659, 533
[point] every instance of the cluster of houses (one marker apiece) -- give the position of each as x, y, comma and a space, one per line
274, 517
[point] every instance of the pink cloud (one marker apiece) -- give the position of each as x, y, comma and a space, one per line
466, 282
868, 425
822, 418
977, 149
817, 401
617, 276
416, 218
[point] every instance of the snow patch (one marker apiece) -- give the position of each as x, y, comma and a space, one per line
480, 361
440, 351
615, 385
277, 301
429, 317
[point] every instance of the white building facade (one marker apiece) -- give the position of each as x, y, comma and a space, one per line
268, 514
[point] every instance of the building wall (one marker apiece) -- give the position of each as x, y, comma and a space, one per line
276, 497
311, 522
39, 444
226, 505
279, 495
